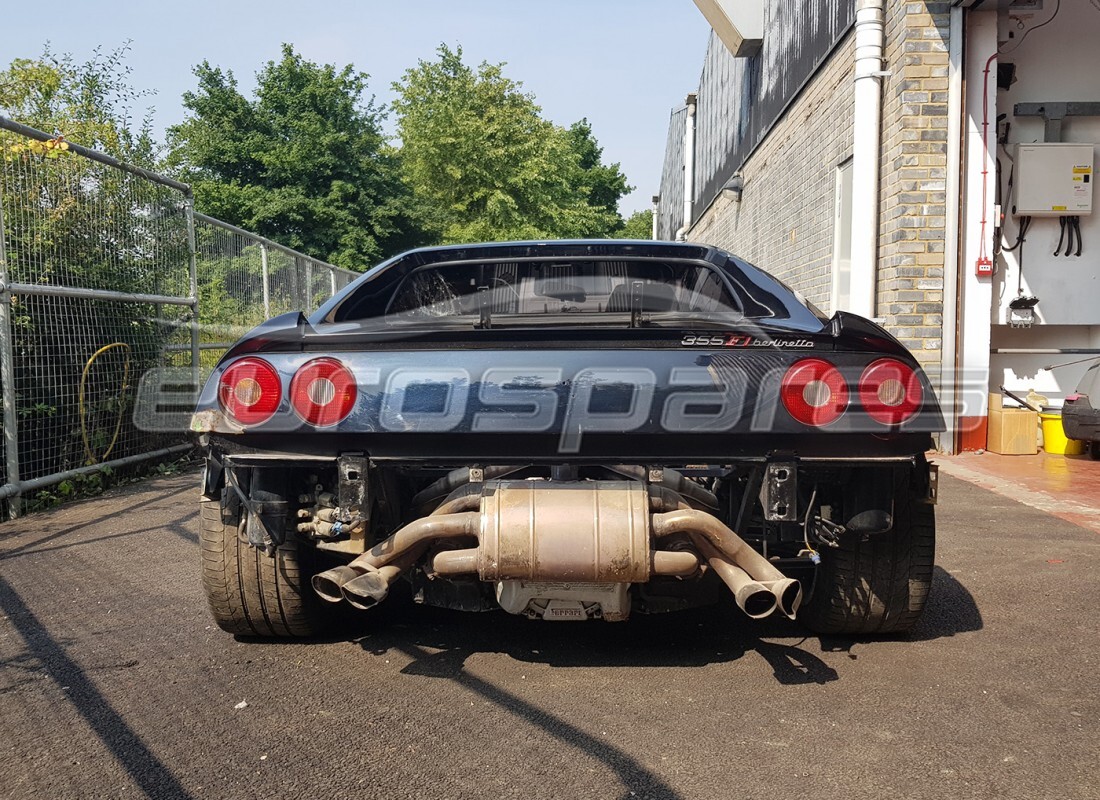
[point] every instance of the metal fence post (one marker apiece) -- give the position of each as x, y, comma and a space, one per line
194, 269
267, 281
307, 306
7, 372
332, 282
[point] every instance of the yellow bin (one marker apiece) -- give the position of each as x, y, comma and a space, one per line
1054, 436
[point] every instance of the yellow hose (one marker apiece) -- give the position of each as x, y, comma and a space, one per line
80, 399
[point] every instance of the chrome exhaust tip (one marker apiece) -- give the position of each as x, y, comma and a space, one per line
756, 600
327, 584
366, 591
788, 596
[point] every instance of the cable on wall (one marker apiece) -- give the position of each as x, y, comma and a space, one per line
1057, 8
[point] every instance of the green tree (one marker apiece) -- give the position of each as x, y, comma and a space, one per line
638, 225
305, 162
477, 153
602, 185
90, 103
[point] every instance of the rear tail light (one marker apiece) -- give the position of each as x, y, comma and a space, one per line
890, 391
814, 392
250, 391
323, 392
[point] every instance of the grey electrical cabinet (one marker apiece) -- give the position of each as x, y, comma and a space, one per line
1053, 180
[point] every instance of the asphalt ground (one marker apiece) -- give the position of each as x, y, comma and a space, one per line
115, 683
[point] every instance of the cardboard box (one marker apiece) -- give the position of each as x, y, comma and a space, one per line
1011, 431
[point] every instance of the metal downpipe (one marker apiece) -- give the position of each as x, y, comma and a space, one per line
949, 345
673, 481
456, 479
689, 167
866, 154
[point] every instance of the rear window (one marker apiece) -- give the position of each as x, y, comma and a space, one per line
528, 284
534, 289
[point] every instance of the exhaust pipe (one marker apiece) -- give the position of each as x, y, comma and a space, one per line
400, 550
758, 587
755, 599
328, 584
464, 498
456, 479
708, 530
788, 595
673, 482
370, 588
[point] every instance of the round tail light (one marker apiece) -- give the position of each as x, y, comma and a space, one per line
250, 391
814, 392
890, 391
323, 392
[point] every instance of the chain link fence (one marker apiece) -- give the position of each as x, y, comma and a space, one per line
244, 279
107, 274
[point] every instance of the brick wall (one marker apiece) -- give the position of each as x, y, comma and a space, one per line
784, 222
914, 161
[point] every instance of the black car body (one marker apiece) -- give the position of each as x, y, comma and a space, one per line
569, 430
1080, 415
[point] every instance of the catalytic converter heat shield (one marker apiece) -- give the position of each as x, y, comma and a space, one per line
584, 532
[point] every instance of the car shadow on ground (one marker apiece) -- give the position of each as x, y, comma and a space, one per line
951, 610
438, 644
444, 640
440, 641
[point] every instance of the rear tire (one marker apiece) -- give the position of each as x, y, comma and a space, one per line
251, 593
877, 584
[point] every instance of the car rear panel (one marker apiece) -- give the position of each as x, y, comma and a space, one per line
683, 400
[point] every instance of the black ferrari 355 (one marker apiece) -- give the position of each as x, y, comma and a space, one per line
568, 431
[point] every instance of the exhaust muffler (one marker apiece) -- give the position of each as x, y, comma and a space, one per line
533, 531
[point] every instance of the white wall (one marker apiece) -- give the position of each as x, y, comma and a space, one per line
1018, 373
1059, 62
976, 293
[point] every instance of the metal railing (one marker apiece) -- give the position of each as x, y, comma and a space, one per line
107, 272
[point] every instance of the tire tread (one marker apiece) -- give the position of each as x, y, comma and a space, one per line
878, 584
250, 593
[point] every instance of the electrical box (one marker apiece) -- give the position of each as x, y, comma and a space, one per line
1053, 180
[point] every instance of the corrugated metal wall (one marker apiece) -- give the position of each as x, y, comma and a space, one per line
741, 98
670, 207
725, 113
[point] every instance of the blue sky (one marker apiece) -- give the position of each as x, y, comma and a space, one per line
623, 64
